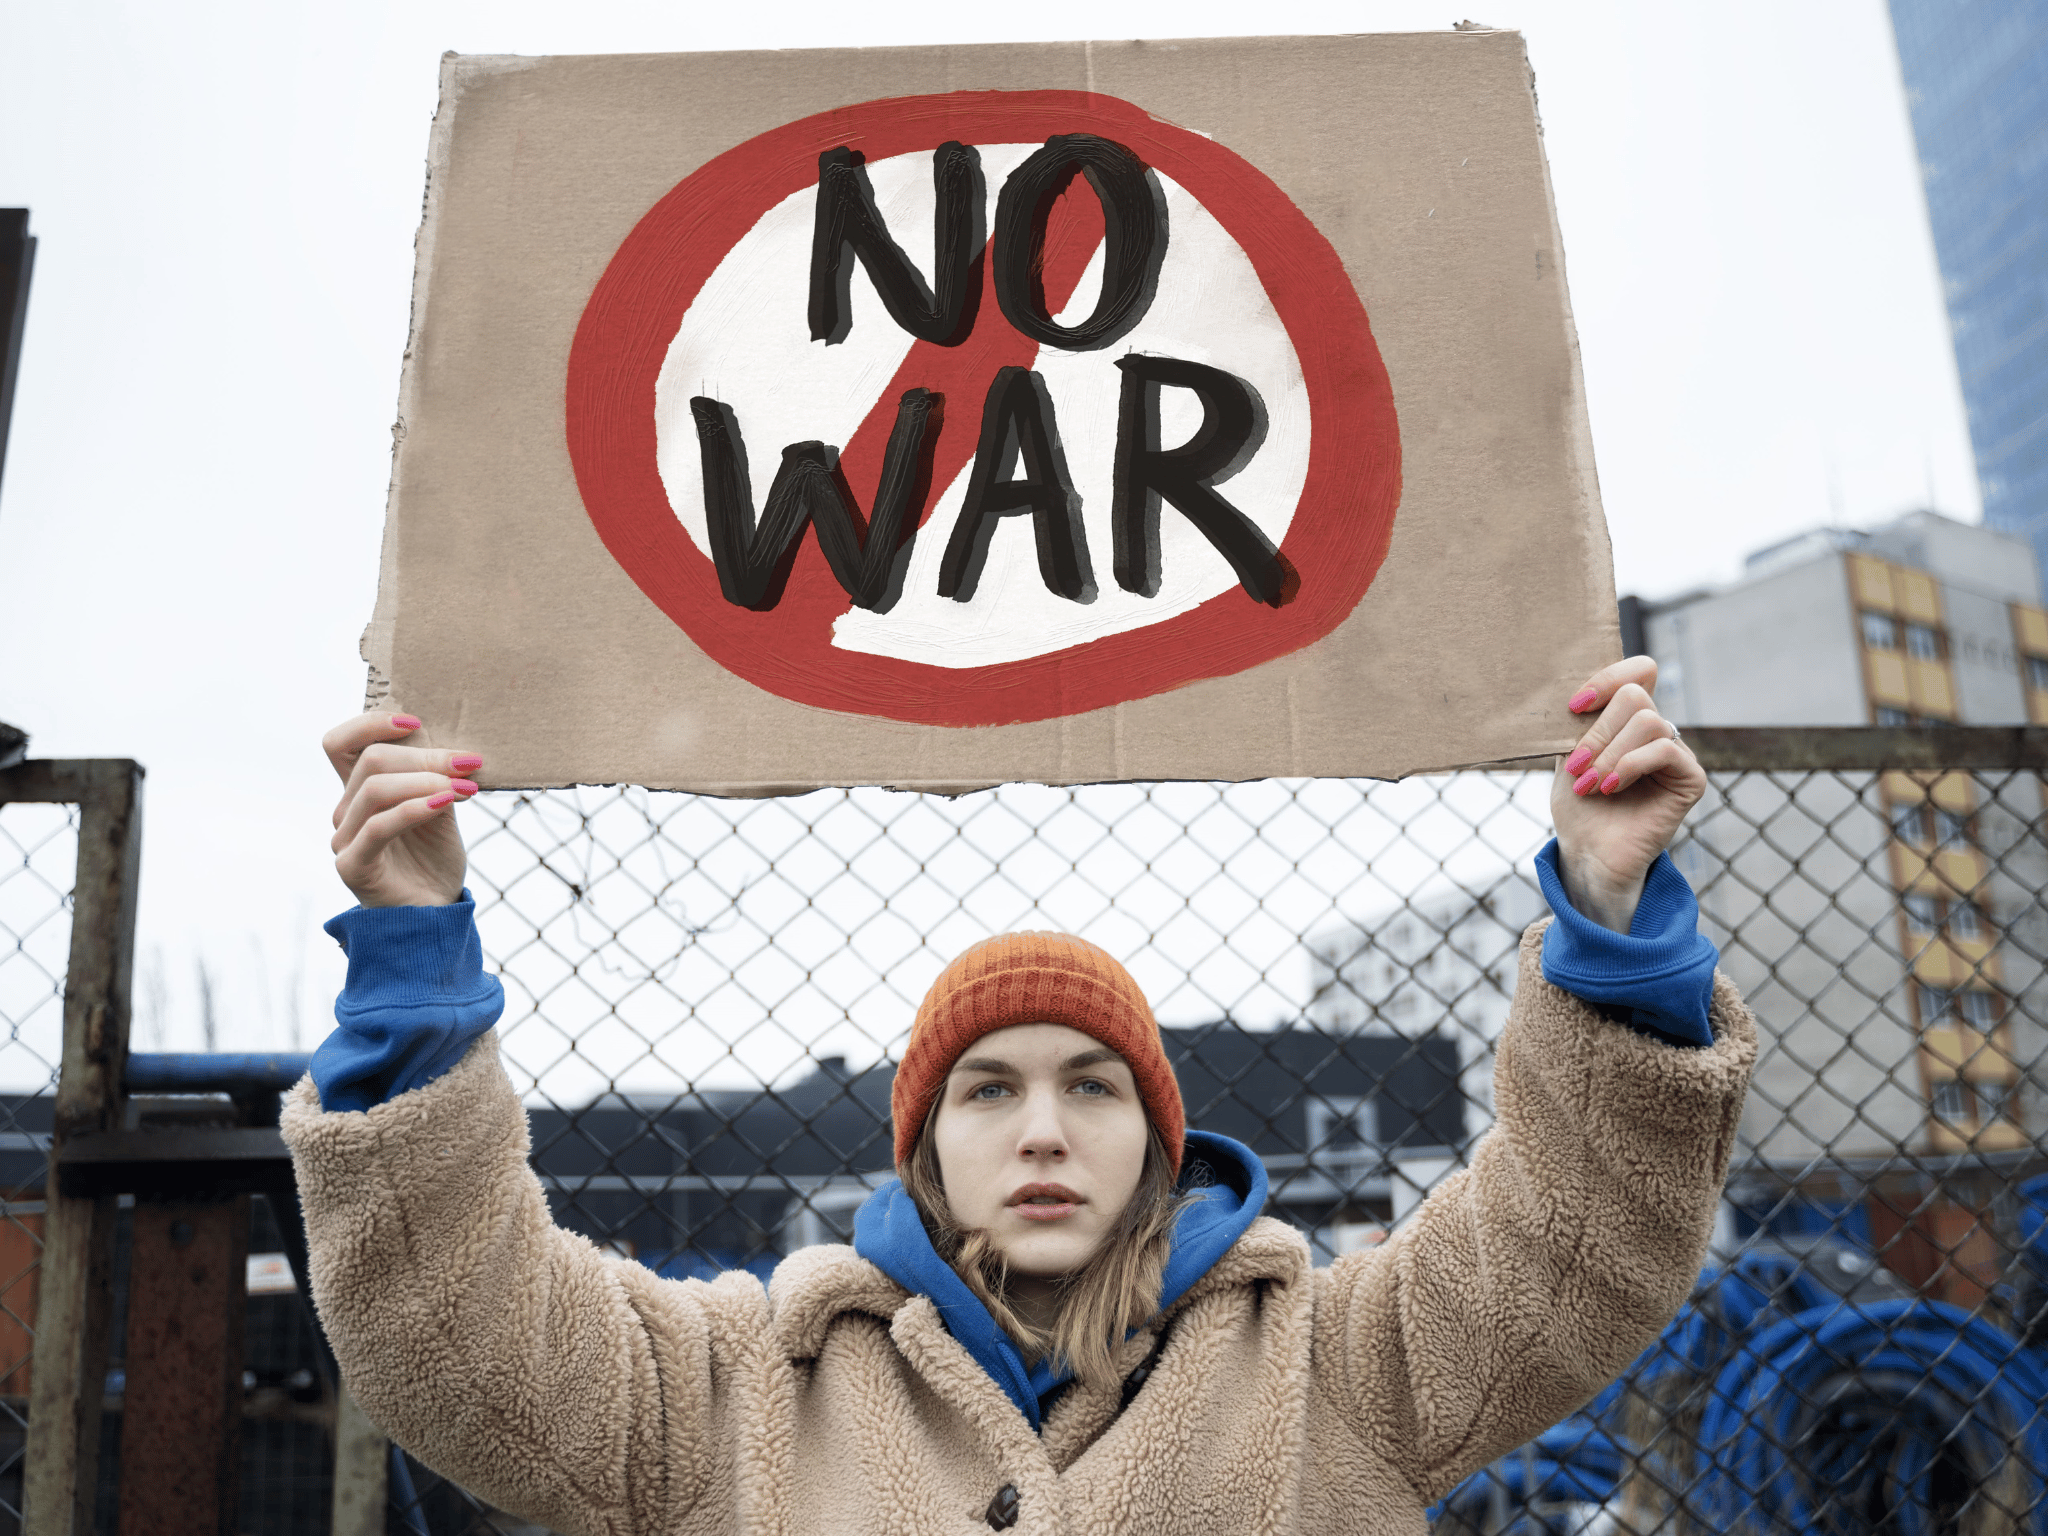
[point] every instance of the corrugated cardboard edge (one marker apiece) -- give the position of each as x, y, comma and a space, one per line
458, 71
747, 789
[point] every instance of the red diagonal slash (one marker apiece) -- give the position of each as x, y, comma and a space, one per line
963, 374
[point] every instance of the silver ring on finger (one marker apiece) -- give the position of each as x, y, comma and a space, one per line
1676, 734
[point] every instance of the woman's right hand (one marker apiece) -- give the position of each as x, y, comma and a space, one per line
395, 842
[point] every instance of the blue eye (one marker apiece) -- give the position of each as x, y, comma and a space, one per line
1093, 1087
988, 1091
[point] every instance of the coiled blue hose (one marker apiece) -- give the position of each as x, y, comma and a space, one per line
1906, 1416
1728, 1304
2033, 1247
1822, 1416
1572, 1462
1580, 1460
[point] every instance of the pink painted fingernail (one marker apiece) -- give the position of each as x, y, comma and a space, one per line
1610, 784
441, 799
1576, 763
405, 722
1585, 782
465, 763
462, 786
1581, 699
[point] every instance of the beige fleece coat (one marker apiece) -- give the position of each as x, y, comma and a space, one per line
578, 1389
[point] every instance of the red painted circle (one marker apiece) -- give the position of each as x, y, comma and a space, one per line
1335, 543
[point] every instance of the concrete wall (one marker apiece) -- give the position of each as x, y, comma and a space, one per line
1780, 650
1995, 563
1982, 659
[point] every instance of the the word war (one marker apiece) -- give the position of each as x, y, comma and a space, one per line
1018, 467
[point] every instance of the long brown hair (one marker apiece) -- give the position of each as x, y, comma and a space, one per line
1115, 1291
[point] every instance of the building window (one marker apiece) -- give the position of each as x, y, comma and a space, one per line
1980, 1010
1886, 715
1995, 1100
1909, 822
1879, 632
1950, 1097
1963, 921
2037, 672
1923, 913
1951, 829
1923, 643
1936, 1004
1343, 1125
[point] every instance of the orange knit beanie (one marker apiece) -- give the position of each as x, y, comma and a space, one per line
1033, 978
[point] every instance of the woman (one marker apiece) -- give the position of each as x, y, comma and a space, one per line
1068, 1315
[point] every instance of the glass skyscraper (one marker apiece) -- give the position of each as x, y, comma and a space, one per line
1977, 84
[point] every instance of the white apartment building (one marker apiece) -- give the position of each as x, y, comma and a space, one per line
1923, 619
1894, 960
1444, 965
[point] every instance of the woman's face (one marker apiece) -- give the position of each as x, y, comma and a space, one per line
1040, 1139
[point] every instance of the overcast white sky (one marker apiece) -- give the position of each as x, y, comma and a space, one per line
226, 196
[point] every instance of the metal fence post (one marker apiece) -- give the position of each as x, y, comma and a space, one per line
76, 1287
181, 1447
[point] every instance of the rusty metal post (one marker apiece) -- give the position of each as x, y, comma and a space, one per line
75, 1289
181, 1437
1857, 748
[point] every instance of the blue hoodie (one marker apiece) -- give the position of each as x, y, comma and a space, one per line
1229, 1185
416, 999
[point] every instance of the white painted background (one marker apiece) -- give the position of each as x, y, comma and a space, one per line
746, 342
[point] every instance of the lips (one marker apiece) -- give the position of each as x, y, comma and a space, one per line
1045, 1202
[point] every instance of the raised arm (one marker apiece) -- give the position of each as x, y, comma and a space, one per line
417, 994
1528, 1281
569, 1386
565, 1384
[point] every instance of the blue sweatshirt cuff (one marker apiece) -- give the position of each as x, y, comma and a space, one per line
417, 998
1657, 978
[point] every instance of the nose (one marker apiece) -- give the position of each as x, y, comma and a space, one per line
1044, 1137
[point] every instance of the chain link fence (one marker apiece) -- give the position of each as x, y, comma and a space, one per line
705, 998
38, 853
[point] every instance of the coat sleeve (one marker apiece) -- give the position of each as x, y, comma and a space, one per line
1529, 1280
568, 1385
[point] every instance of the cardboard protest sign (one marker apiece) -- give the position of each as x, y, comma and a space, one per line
940, 417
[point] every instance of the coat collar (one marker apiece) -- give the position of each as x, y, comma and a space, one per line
1270, 1252
814, 1287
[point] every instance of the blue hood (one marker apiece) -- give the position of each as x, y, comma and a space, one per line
1226, 1177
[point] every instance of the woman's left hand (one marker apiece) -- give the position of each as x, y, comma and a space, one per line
1618, 799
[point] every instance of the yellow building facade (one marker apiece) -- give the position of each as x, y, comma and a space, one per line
1969, 1072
